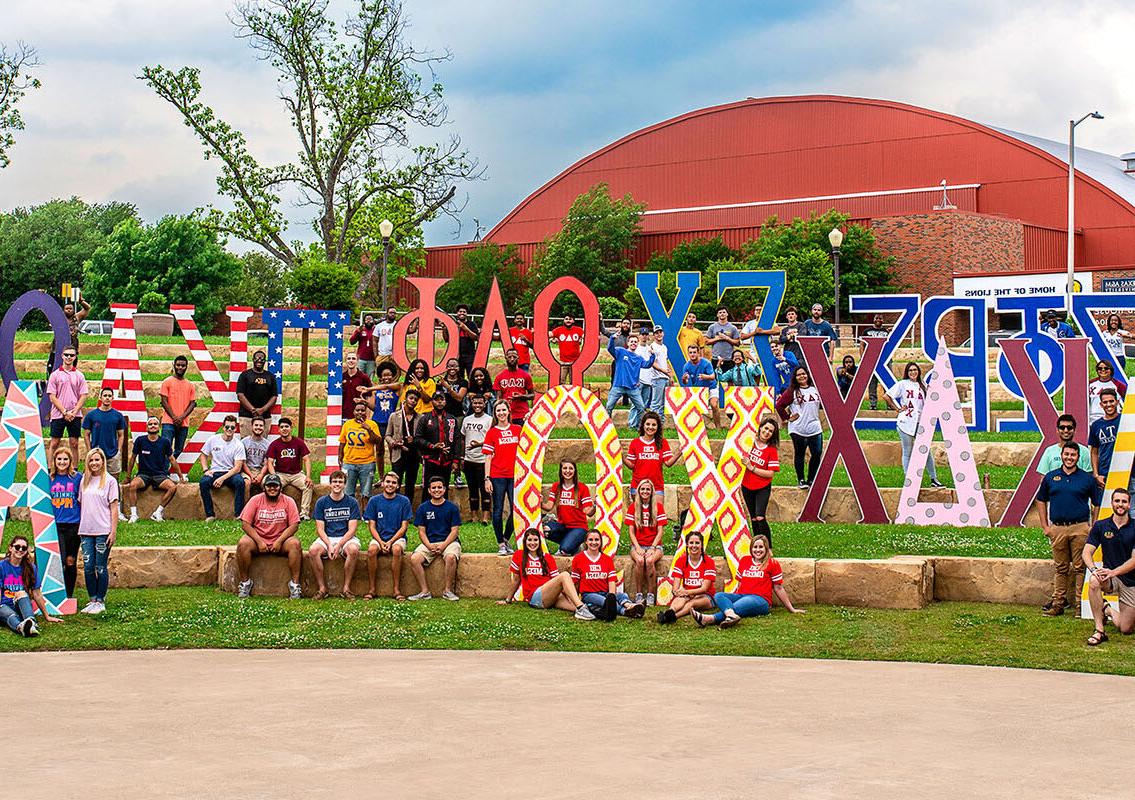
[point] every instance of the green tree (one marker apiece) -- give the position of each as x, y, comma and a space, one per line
407, 244
704, 256
360, 107
44, 246
317, 284
15, 81
263, 282
594, 245
474, 278
177, 259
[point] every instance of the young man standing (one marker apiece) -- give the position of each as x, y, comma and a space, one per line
876, 331
1064, 503
255, 457
628, 365
522, 339
699, 374
363, 336
290, 459
179, 399
784, 364
467, 334
1101, 440
156, 462
569, 339
356, 383
269, 524
404, 458
722, 336
689, 335
359, 438
105, 427
751, 330
1051, 459
818, 326
67, 392
439, 528
1055, 327
256, 390
336, 523
1115, 537
222, 459
474, 426
789, 331
437, 437
515, 385
660, 373
388, 516
385, 341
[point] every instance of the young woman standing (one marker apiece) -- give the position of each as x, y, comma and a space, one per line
65, 491
499, 448
648, 453
761, 464
98, 527
800, 405
907, 398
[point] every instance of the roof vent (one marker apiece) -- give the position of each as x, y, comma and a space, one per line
1128, 162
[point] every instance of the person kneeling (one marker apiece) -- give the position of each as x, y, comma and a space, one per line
540, 581
596, 578
336, 522
759, 577
692, 576
269, 521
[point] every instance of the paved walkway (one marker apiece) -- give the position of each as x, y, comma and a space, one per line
340, 724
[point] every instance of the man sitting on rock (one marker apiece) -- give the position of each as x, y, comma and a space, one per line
439, 525
269, 521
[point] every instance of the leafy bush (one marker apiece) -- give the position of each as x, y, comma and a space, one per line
263, 282
613, 308
153, 303
474, 278
317, 284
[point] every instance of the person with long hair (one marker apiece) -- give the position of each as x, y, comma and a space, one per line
540, 581
418, 378
65, 493
646, 522
480, 385
19, 585
1105, 379
499, 448
799, 404
692, 576
573, 506
1114, 336
98, 527
740, 371
759, 577
907, 398
596, 578
761, 464
648, 453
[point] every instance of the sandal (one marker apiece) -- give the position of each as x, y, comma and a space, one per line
346, 595
1098, 637
399, 597
319, 596
368, 596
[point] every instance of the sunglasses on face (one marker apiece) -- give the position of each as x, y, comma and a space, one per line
1066, 427
20, 548
230, 427
68, 355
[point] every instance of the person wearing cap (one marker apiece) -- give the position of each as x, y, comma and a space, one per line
1055, 327
269, 523
659, 374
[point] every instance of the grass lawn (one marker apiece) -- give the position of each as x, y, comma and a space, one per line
952, 633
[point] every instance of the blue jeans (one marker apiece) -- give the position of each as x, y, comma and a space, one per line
12, 616
744, 605
596, 599
234, 482
504, 530
569, 539
634, 394
360, 474
176, 436
908, 448
658, 395
96, 552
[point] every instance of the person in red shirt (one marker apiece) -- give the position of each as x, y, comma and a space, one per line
759, 577
569, 338
515, 385
692, 575
573, 505
595, 576
522, 339
364, 337
645, 521
646, 455
540, 581
761, 464
499, 448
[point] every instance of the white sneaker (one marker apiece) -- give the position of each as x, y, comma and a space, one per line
448, 595
421, 596
295, 592
33, 630
583, 612
650, 599
158, 516
122, 517
90, 608
24, 628
133, 517
99, 607
175, 478
244, 589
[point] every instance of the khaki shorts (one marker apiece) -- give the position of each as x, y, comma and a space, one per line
114, 465
428, 556
1126, 593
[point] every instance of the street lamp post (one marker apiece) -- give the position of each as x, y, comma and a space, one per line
385, 228
835, 238
1072, 123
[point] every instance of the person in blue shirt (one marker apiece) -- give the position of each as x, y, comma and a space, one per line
1115, 538
439, 528
384, 400
388, 516
19, 585
698, 373
740, 371
1101, 440
1064, 503
625, 383
336, 518
1055, 327
818, 326
65, 491
105, 427
785, 364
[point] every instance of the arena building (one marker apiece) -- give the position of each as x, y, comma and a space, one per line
962, 206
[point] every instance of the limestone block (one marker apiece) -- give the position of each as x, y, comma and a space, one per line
906, 582
155, 567
992, 580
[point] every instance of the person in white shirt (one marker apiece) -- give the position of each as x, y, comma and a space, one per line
800, 405
660, 375
474, 426
1105, 379
907, 398
222, 459
384, 336
751, 331
1114, 336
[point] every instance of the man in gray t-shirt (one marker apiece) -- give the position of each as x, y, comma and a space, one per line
724, 336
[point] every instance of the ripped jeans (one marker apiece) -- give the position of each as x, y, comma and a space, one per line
96, 552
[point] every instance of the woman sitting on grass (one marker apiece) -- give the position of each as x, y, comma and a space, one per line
596, 578
19, 583
692, 577
541, 583
646, 522
759, 577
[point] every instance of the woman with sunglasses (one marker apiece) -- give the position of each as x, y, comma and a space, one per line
19, 585
98, 527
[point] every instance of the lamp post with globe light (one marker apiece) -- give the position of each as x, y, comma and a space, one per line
835, 238
385, 229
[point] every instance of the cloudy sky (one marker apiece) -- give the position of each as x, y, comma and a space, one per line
533, 85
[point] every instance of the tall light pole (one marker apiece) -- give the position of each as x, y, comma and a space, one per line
1072, 123
835, 238
385, 228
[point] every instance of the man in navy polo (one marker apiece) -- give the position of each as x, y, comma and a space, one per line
1115, 538
1064, 503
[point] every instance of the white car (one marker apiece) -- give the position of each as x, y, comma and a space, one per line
96, 327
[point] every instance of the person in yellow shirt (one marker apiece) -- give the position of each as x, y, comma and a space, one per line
418, 378
689, 335
359, 439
